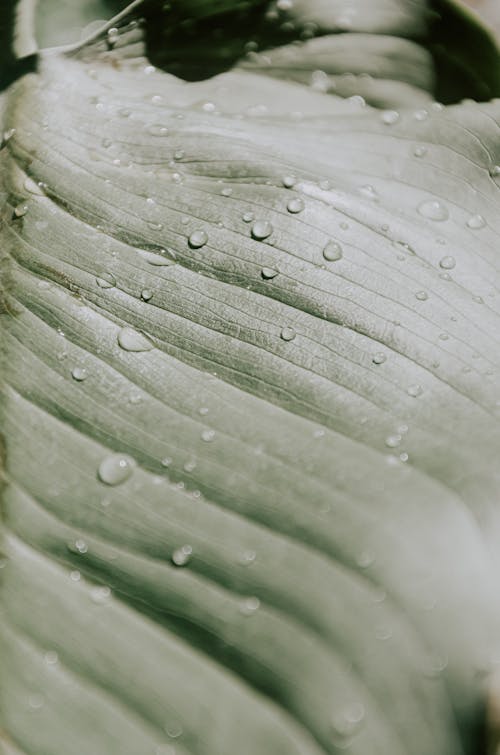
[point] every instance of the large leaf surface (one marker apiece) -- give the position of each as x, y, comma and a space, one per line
278, 309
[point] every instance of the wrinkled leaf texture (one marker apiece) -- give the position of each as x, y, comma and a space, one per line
313, 284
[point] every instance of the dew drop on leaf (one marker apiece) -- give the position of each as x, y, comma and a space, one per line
421, 115
287, 334
389, 117
182, 555
261, 229
475, 222
100, 595
420, 151
249, 606
447, 263
289, 181
379, 358
157, 129
146, 294
415, 390
161, 258
247, 217
422, 295
268, 273
208, 435
433, 210
115, 469
106, 280
247, 557
197, 239
295, 205
79, 374
332, 252
20, 210
131, 340
80, 546
392, 441
368, 191
51, 658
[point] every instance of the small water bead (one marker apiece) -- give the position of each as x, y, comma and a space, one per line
100, 595
157, 129
32, 187
421, 115
495, 171
20, 210
268, 273
36, 701
181, 556
106, 280
347, 722
81, 546
208, 435
131, 340
51, 657
75, 575
166, 461
393, 441
197, 239
261, 229
161, 258
7, 136
249, 606
332, 252
79, 374
369, 192
156, 99
476, 222
447, 263
146, 294
389, 117
379, 358
116, 469
287, 334
289, 181
420, 151
247, 557
403, 457
179, 154
422, 295
295, 205
226, 191
432, 209
415, 390
248, 217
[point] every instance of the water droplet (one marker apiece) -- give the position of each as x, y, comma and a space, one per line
157, 129
179, 154
248, 217
100, 595
79, 373
392, 441
368, 191
197, 239
261, 229
161, 258
268, 273
421, 115
75, 576
289, 181
20, 210
379, 358
51, 658
208, 435
36, 701
447, 263
346, 723
166, 461
403, 456
106, 142
146, 294
295, 205
389, 117
475, 222
33, 187
433, 210
115, 469
226, 191
181, 556
420, 151
106, 280
495, 171
247, 557
422, 295
81, 546
332, 251
7, 136
287, 334
415, 390
365, 560
131, 340
249, 606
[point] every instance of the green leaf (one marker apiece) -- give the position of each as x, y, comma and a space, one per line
250, 393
